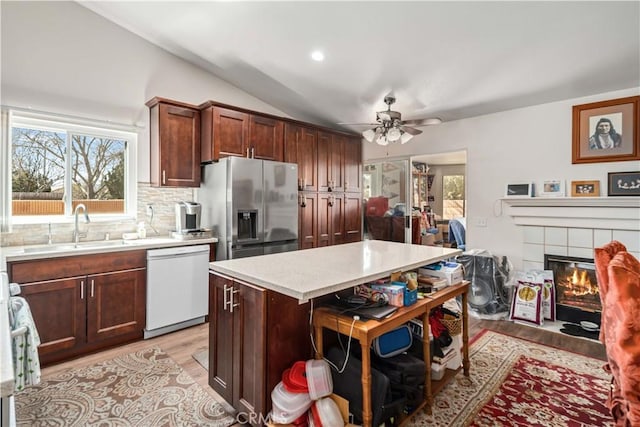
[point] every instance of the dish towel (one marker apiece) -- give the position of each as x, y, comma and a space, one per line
26, 364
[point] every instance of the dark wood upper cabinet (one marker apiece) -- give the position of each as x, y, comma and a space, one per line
331, 161
301, 147
266, 138
228, 132
353, 165
225, 132
174, 144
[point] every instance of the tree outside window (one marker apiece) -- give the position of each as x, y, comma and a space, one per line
47, 164
453, 196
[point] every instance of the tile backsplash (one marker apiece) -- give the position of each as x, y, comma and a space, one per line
575, 242
162, 199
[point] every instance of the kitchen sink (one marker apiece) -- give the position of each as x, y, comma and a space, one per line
63, 247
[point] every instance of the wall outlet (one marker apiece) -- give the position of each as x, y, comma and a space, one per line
481, 222
149, 209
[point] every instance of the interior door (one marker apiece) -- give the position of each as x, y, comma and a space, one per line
386, 198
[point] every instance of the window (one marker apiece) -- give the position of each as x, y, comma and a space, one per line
452, 196
56, 165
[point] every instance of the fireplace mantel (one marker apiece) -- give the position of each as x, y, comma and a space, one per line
616, 213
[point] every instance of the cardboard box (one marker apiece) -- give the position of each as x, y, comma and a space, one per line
395, 293
453, 274
432, 239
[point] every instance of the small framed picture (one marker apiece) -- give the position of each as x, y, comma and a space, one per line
520, 189
606, 131
624, 184
585, 188
552, 188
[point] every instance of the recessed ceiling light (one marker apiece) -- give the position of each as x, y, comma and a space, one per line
317, 56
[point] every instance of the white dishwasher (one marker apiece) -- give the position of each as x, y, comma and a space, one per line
177, 288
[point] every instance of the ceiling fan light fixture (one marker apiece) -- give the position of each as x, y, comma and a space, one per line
405, 137
382, 140
394, 134
369, 134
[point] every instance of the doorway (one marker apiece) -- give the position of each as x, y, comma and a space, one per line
385, 197
439, 191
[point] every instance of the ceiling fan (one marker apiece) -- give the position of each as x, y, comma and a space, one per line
390, 127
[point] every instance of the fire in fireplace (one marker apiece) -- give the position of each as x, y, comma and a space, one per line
577, 294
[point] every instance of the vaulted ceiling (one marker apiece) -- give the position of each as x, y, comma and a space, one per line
450, 60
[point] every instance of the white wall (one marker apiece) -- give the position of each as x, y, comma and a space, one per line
532, 143
60, 57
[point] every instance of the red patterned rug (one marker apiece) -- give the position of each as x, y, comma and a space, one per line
515, 382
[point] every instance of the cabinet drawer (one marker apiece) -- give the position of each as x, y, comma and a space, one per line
49, 269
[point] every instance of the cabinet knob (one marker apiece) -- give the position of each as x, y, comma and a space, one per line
92, 287
82, 289
164, 177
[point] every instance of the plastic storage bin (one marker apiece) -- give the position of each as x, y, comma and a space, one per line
318, 379
437, 371
393, 342
287, 407
326, 413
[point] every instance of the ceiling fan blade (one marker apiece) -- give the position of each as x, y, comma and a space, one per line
410, 130
423, 122
358, 124
384, 116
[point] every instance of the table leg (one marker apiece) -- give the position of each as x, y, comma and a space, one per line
366, 384
426, 349
318, 341
465, 334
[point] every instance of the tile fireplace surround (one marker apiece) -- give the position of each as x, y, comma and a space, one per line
574, 226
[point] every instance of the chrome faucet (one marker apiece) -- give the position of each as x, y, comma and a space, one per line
76, 233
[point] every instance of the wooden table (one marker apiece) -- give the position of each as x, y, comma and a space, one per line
366, 331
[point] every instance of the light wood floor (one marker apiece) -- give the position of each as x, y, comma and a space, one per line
181, 345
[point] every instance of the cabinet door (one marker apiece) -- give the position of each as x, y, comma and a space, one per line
325, 220
179, 147
307, 218
352, 217
221, 335
325, 140
301, 147
266, 138
230, 133
337, 162
58, 309
353, 165
249, 325
115, 304
338, 235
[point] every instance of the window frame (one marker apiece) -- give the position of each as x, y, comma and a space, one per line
464, 199
70, 127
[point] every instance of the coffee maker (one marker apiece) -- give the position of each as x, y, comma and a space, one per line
187, 217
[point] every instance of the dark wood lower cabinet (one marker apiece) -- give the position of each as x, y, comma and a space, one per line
78, 313
254, 335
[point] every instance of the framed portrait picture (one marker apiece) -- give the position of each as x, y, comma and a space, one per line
606, 131
585, 188
624, 184
552, 188
520, 189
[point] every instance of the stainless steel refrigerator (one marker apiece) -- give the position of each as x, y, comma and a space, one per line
251, 205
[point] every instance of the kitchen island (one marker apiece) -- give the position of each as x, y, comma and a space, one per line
260, 311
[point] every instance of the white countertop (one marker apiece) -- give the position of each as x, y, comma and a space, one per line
21, 253
315, 272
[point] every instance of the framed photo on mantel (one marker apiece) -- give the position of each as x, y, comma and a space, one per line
606, 131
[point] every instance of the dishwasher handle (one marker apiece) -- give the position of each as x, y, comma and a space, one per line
177, 252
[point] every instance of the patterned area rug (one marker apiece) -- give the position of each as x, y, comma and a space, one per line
146, 388
515, 382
